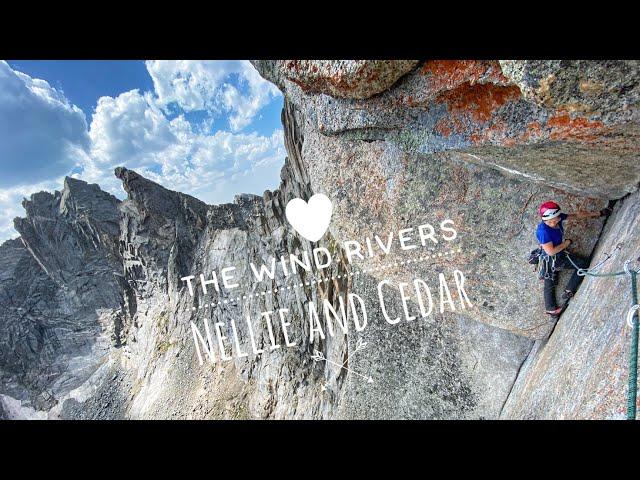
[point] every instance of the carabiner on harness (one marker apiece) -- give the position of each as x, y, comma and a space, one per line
547, 266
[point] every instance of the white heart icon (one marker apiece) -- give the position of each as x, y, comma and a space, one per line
310, 220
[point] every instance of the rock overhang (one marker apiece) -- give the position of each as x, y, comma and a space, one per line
572, 125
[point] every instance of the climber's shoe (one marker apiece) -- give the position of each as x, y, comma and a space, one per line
567, 295
554, 313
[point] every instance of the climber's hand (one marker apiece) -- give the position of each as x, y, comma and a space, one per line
605, 212
567, 243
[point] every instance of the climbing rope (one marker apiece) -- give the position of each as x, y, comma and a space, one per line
632, 321
633, 354
593, 270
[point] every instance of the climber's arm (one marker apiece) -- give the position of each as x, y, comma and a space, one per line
551, 250
602, 213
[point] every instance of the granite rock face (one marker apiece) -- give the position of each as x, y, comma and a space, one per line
580, 141
359, 79
382, 183
61, 296
495, 216
581, 371
97, 323
605, 90
468, 368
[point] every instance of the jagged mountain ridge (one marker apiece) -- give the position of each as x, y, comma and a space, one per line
62, 286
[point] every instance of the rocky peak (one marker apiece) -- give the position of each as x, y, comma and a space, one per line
62, 293
70, 229
79, 198
157, 222
42, 204
156, 199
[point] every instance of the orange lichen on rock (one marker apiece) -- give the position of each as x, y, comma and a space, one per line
449, 74
457, 124
496, 133
563, 127
531, 132
443, 127
478, 101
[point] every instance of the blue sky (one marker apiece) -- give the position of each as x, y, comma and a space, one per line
208, 128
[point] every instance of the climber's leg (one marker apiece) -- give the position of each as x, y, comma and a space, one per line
550, 295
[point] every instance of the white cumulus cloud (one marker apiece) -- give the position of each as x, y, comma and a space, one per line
209, 85
42, 135
131, 130
143, 131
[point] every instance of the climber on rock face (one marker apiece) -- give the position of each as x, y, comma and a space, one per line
550, 234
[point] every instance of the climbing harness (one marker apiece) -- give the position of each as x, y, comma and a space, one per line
534, 256
546, 266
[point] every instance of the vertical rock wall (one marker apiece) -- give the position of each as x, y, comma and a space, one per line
581, 371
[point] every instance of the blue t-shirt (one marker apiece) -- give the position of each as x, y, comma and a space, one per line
546, 234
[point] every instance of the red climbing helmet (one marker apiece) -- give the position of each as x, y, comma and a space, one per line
549, 210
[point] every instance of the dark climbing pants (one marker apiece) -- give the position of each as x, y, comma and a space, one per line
563, 263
